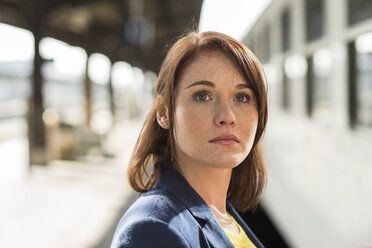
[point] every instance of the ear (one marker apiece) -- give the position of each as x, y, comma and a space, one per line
162, 115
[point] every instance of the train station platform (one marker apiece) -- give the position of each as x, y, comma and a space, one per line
69, 203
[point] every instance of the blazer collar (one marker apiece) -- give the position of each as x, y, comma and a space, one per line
172, 182
175, 184
245, 227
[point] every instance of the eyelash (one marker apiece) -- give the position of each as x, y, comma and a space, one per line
246, 96
201, 93
197, 94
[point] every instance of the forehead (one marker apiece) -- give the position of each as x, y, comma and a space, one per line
207, 57
211, 65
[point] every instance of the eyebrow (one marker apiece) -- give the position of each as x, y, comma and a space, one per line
243, 86
204, 82
212, 85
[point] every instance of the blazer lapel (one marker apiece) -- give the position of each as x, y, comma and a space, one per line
245, 227
215, 234
176, 185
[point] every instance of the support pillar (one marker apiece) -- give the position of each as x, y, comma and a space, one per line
88, 96
36, 127
111, 96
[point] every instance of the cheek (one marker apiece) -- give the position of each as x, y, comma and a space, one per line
250, 126
189, 121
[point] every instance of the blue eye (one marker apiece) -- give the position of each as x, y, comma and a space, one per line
201, 96
242, 98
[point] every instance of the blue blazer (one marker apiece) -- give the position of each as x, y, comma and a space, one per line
173, 215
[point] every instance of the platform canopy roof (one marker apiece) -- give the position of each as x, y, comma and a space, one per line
135, 31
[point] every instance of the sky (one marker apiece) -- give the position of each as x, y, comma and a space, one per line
15, 43
233, 17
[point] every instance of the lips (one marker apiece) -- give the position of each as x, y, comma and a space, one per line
225, 139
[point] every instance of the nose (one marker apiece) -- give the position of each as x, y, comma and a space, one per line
224, 115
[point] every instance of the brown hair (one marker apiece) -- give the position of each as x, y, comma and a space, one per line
157, 144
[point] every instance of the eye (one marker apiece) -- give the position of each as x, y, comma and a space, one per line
201, 96
242, 98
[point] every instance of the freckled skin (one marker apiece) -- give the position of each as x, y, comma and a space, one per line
200, 118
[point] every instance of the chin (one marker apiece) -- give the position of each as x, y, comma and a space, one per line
228, 163
227, 159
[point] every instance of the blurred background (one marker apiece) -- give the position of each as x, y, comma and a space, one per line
77, 79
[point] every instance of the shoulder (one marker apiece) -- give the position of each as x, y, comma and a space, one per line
157, 204
147, 223
148, 232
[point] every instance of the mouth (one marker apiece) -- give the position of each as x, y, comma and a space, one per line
225, 139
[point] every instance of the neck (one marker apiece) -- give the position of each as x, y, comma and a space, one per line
210, 183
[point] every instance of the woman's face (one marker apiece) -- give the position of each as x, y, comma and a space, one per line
215, 116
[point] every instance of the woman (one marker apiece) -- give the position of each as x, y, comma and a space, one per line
198, 155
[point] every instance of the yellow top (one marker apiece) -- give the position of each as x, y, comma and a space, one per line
240, 240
